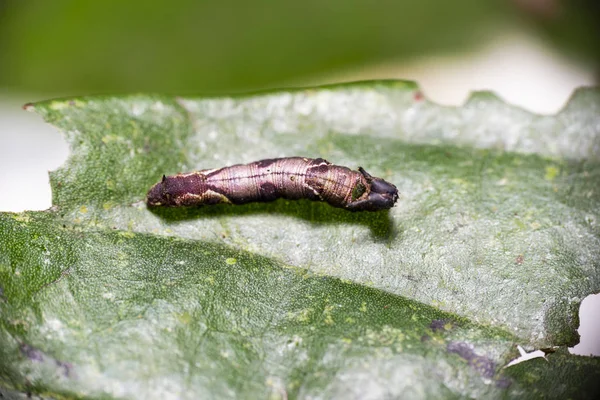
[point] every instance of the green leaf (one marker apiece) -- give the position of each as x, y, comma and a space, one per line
493, 243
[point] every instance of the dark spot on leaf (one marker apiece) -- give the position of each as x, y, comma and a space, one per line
503, 382
31, 352
65, 366
38, 356
440, 325
519, 259
483, 365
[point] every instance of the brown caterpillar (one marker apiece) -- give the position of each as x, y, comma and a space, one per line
266, 180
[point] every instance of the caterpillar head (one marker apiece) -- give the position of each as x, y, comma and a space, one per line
381, 195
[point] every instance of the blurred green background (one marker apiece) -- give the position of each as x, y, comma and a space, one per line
74, 47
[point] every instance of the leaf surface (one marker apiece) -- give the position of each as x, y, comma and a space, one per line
493, 243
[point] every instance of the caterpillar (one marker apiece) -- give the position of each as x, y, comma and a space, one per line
267, 180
